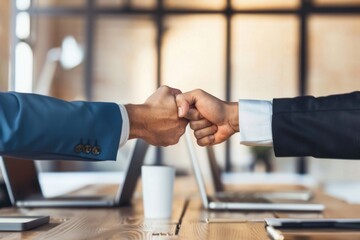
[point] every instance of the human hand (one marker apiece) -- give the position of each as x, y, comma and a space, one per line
156, 121
214, 121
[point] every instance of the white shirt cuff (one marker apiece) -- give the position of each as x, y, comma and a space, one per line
255, 118
125, 128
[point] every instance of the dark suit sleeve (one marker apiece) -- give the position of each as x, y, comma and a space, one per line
324, 127
40, 127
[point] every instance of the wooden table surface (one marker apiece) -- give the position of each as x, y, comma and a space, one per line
189, 220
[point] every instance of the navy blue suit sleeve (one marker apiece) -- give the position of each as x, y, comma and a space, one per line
40, 127
324, 127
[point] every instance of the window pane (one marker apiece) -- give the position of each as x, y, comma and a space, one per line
23, 4
124, 59
23, 68
58, 3
47, 37
265, 56
337, 2
196, 4
126, 3
265, 4
22, 25
4, 39
194, 53
334, 54
193, 57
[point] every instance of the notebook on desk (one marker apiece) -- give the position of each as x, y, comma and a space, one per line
245, 202
22, 183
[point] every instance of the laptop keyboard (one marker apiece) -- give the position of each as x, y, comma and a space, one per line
66, 198
239, 199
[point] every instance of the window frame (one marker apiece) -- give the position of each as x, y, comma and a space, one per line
90, 11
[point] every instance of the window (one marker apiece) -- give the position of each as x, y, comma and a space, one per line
233, 49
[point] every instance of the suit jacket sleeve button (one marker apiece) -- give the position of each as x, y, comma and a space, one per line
96, 150
87, 149
79, 148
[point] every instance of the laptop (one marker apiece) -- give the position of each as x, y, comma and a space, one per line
241, 203
22, 183
220, 188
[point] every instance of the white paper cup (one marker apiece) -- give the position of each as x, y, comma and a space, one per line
157, 185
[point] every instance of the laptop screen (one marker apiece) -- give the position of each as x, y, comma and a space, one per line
215, 171
196, 168
132, 172
21, 178
22, 181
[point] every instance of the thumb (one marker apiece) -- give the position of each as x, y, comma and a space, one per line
183, 102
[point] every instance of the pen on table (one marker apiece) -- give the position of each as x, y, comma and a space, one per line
274, 234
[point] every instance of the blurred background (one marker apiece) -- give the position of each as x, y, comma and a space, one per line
122, 50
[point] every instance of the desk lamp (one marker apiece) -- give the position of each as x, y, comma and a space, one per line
70, 55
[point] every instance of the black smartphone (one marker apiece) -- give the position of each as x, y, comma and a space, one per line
334, 223
21, 223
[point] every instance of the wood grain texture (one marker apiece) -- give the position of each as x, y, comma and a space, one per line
189, 221
196, 230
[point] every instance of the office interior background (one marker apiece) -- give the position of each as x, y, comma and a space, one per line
122, 50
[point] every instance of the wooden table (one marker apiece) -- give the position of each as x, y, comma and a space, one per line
189, 220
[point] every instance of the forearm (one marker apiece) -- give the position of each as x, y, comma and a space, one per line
325, 127
137, 123
233, 115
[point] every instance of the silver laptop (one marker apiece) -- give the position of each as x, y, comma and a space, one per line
243, 203
220, 189
22, 183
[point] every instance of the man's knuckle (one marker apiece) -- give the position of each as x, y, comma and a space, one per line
192, 125
214, 128
199, 91
196, 133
